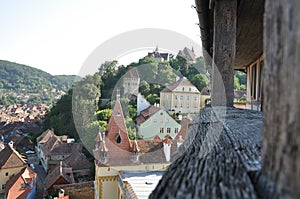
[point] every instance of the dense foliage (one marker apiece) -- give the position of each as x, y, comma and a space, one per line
90, 112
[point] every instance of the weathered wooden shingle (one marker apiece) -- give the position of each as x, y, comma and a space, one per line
221, 149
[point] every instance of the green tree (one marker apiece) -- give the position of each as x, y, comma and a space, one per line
152, 98
144, 88
241, 76
104, 115
180, 64
165, 74
236, 83
200, 81
60, 117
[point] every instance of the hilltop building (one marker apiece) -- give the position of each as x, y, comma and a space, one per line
188, 54
159, 57
181, 96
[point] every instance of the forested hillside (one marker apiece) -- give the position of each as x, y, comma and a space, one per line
21, 84
18, 77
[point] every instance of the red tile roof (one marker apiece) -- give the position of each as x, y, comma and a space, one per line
14, 185
146, 114
60, 174
117, 131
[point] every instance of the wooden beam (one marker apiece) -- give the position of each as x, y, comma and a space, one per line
281, 142
224, 49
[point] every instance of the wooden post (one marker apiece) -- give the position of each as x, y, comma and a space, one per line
281, 142
224, 47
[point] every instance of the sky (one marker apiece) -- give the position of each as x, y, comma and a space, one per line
57, 36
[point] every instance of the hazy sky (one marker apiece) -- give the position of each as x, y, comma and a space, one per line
58, 35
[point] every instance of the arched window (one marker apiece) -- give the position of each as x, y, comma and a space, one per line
118, 139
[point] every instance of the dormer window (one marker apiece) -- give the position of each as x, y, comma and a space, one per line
118, 113
118, 139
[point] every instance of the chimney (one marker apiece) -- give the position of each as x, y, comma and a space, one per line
11, 144
61, 193
167, 148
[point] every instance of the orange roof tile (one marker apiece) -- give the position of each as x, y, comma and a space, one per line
14, 185
60, 174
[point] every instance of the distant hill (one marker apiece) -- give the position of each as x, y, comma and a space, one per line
19, 78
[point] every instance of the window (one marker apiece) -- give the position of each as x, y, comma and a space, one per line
3, 186
23, 185
176, 97
118, 139
195, 98
190, 89
182, 88
118, 113
6, 174
176, 130
188, 97
161, 130
168, 130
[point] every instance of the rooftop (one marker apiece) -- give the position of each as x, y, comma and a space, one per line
220, 157
141, 183
11, 158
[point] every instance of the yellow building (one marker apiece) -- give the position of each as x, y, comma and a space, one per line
181, 96
11, 163
113, 182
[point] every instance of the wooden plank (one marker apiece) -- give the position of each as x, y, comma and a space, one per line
281, 145
224, 49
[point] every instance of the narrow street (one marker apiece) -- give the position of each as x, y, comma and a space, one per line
33, 159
